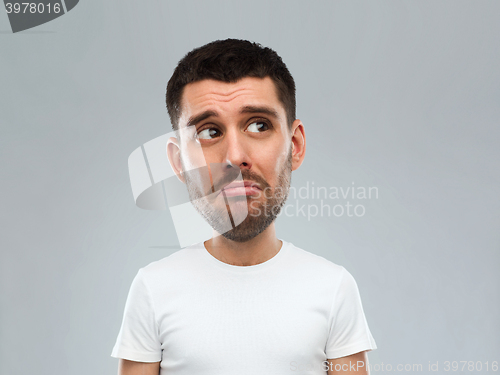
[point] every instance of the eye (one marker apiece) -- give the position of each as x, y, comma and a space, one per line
208, 133
258, 126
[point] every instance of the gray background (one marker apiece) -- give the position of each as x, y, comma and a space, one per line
399, 95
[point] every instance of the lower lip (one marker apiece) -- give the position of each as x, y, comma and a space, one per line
238, 191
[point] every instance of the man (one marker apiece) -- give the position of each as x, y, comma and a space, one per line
243, 302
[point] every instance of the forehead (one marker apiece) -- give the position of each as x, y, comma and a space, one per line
228, 98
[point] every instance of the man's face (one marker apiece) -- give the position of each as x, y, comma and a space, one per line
240, 126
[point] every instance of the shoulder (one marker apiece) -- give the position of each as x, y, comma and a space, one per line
312, 263
173, 265
308, 257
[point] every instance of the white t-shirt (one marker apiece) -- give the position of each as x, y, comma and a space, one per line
198, 315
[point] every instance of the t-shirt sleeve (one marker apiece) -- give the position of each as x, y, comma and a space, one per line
349, 332
138, 339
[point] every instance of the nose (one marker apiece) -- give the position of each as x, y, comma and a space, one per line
237, 150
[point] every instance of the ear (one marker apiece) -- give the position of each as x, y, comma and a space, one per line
298, 144
174, 158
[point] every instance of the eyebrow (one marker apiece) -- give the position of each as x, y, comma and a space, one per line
246, 109
262, 109
202, 116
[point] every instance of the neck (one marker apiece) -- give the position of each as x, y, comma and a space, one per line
255, 251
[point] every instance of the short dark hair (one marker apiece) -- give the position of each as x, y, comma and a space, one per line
228, 61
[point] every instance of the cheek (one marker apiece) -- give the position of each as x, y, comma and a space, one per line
196, 171
193, 158
273, 162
